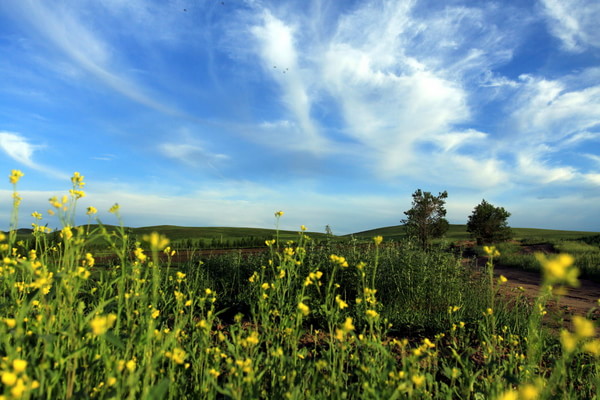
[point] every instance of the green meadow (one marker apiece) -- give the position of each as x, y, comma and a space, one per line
370, 316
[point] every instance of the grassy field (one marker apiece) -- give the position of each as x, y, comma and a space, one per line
301, 320
459, 232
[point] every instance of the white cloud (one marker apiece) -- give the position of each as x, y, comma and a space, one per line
389, 100
396, 77
531, 168
277, 49
574, 22
63, 27
454, 140
18, 148
553, 109
190, 154
549, 116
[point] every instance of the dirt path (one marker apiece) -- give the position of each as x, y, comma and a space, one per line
577, 301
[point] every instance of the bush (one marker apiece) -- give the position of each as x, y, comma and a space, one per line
488, 224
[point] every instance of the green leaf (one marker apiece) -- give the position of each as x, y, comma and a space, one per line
159, 391
115, 340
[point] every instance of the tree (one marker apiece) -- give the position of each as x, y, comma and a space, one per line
488, 224
425, 220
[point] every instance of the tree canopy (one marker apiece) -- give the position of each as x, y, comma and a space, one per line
488, 224
425, 220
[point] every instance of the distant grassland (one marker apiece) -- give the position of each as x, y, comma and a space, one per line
234, 235
459, 232
182, 232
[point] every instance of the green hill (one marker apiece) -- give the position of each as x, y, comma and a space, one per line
183, 232
459, 232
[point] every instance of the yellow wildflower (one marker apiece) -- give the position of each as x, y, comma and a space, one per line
101, 324
178, 355
19, 365
66, 233
528, 392
91, 210
592, 347
77, 180
418, 380
131, 364
372, 314
341, 303
341, 261
568, 341
157, 242
139, 254
378, 240
18, 389
279, 213
584, 328
348, 326
10, 322
509, 395
559, 269
491, 251
77, 193
15, 175
9, 378
304, 309
114, 209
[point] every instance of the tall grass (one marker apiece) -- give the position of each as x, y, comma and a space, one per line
302, 321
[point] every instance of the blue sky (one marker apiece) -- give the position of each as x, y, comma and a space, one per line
219, 113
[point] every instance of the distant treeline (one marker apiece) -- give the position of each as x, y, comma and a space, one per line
220, 243
593, 240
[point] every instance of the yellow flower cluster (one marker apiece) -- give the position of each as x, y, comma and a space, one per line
344, 329
341, 303
304, 309
15, 175
102, 323
157, 241
583, 329
91, 210
13, 376
312, 277
559, 269
341, 261
178, 355
491, 251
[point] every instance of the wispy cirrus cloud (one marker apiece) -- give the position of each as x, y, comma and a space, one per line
190, 154
277, 48
21, 150
574, 22
18, 148
81, 41
548, 117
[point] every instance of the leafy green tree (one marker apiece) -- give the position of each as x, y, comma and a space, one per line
488, 224
425, 220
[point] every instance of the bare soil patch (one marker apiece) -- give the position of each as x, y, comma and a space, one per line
577, 301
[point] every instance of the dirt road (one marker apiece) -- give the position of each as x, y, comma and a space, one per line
577, 301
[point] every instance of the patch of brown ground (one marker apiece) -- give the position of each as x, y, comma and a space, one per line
577, 301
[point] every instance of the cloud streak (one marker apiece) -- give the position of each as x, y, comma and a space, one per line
64, 29
19, 149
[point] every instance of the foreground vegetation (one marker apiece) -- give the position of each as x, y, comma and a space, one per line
380, 321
